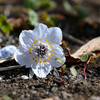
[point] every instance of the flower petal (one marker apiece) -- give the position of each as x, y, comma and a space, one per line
26, 38
57, 53
24, 58
40, 31
54, 35
42, 69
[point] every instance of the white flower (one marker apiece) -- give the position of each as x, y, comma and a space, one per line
7, 51
38, 49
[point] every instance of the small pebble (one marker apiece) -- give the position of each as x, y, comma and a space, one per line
14, 93
24, 77
1, 79
33, 92
54, 89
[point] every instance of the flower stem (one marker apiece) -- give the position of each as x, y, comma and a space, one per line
86, 66
61, 76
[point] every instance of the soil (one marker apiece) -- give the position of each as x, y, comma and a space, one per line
72, 87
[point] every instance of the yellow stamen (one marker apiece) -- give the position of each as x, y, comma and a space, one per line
40, 61
52, 49
49, 42
33, 45
46, 40
32, 58
40, 40
51, 46
35, 60
48, 58
51, 54
30, 52
36, 40
30, 48
43, 61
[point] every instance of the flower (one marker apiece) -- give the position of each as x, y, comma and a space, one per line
38, 49
7, 51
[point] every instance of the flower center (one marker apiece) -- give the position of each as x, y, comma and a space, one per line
42, 50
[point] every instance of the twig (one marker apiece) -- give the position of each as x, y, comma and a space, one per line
73, 39
5, 59
10, 67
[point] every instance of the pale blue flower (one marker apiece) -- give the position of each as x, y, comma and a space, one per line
38, 49
7, 51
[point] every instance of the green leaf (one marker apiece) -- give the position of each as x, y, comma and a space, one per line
31, 73
60, 60
33, 4
4, 25
63, 67
47, 4
68, 7
33, 18
73, 71
6, 97
82, 12
84, 57
91, 54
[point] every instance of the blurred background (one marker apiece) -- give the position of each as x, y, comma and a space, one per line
78, 19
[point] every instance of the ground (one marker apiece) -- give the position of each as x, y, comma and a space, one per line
72, 87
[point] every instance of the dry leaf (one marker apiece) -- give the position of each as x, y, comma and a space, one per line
92, 46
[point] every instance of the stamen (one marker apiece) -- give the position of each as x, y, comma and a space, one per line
43, 61
51, 46
48, 58
36, 40
33, 45
49, 42
35, 60
32, 58
30, 52
40, 40
40, 61
46, 40
30, 48
52, 49
51, 54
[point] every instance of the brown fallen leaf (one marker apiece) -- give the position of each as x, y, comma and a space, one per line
92, 46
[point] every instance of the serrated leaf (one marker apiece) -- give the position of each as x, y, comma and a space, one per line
33, 18
4, 25
55, 72
84, 57
73, 71
31, 73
